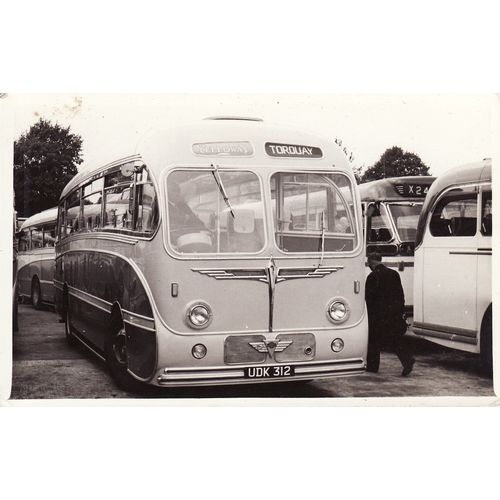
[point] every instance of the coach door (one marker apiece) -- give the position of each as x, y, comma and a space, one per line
450, 265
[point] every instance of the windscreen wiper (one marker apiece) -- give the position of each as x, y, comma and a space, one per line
218, 181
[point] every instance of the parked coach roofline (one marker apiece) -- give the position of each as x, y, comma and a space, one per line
461, 175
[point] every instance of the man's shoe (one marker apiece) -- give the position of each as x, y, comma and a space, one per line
408, 368
372, 370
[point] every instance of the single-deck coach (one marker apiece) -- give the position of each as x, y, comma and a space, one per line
229, 251
36, 258
453, 296
392, 207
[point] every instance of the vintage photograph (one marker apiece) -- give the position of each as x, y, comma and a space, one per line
186, 246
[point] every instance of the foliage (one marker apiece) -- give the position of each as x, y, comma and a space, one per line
45, 159
396, 163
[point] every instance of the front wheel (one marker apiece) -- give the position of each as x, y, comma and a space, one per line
117, 358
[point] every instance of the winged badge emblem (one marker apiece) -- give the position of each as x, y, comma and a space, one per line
271, 346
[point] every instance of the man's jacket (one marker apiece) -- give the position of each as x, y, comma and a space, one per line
385, 302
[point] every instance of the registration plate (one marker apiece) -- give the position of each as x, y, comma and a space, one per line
269, 371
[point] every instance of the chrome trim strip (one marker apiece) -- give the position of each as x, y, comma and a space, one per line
81, 178
133, 319
201, 375
137, 325
261, 273
33, 262
138, 321
137, 315
446, 329
101, 304
445, 333
101, 235
452, 252
88, 346
139, 273
445, 336
327, 368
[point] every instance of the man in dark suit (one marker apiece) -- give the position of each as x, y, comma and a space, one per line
385, 303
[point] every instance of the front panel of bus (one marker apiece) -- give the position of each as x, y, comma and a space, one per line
266, 267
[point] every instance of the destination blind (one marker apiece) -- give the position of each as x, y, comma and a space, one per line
292, 151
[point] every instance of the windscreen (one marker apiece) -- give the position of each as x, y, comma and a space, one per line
313, 212
405, 218
215, 212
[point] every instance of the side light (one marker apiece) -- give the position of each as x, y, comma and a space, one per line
199, 351
337, 345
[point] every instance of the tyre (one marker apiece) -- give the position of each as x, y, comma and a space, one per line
36, 294
117, 357
486, 347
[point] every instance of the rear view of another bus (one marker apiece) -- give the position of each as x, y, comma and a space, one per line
392, 207
36, 258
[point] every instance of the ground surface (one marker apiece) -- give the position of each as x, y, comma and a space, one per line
45, 366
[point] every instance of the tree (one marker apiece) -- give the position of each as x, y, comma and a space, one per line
396, 163
45, 159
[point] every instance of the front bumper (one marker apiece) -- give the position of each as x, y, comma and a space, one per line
231, 375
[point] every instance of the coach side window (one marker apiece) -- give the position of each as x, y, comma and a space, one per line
486, 214
49, 235
72, 216
146, 216
92, 205
24, 241
455, 214
36, 237
116, 202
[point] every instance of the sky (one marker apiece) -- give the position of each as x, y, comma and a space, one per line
445, 130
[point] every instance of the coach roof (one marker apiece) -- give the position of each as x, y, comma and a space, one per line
49, 215
383, 189
203, 142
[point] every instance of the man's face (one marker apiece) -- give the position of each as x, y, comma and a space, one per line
372, 263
